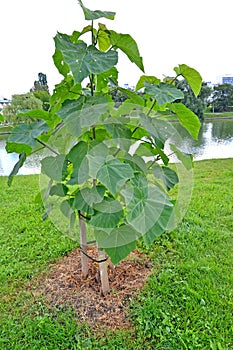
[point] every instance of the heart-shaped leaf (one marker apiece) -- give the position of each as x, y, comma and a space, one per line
145, 207
55, 167
193, 78
113, 174
117, 243
84, 60
92, 15
164, 93
186, 159
146, 78
107, 214
128, 45
26, 134
187, 118
167, 175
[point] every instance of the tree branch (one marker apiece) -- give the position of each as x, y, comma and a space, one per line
47, 146
5, 133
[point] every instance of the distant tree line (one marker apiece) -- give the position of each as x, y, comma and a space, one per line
197, 104
218, 99
222, 98
37, 98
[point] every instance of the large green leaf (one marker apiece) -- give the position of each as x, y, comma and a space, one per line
35, 113
107, 214
193, 78
18, 148
113, 174
187, 118
1, 118
59, 190
118, 243
146, 78
146, 149
92, 15
96, 157
104, 78
89, 196
128, 45
126, 109
103, 39
121, 135
84, 60
51, 119
186, 159
167, 175
65, 90
59, 62
119, 253
160, 226
145, 207
87, 159
67, 208
159, 129
84, 112
86, 197
163, 93
117, 129
55, 167
133, 96
17, 166
137, 163
80, 164
27, 134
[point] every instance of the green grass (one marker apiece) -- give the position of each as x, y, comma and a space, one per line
4, 129
186, 304
218, 115
209, 115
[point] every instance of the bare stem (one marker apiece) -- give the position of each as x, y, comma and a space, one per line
47, 146
5, 133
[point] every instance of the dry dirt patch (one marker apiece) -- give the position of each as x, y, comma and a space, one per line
64, 285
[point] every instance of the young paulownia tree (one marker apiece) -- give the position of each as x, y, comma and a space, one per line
107, 168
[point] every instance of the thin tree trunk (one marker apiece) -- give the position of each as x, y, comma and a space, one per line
83, 246
103, 268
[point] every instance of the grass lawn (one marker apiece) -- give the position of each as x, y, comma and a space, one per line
219, 115
207, 116
186, 304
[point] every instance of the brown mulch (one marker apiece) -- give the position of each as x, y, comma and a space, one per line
64, 285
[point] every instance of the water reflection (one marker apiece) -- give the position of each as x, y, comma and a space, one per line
8, 160
215, 141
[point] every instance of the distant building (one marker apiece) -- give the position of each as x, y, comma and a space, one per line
227, 79
4, 102
211, 84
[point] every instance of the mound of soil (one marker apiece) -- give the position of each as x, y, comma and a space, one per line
64, 285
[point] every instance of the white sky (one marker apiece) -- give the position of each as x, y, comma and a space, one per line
168, 33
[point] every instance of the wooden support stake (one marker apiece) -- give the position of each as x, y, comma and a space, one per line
83, 246
103, 268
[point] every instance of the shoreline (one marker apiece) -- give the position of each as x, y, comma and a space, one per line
204, 119
218, 118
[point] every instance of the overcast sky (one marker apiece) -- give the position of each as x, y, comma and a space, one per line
168, 32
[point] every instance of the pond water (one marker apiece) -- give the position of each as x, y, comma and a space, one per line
8, 160
215, 141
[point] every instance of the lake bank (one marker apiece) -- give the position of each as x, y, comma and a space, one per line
215, 141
